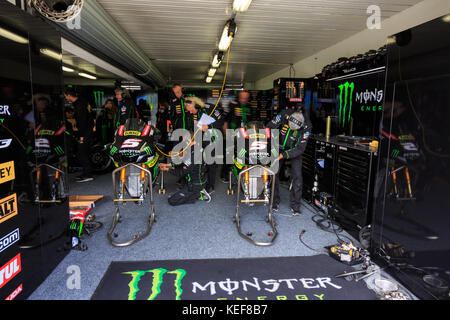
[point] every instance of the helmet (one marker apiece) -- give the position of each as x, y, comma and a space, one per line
296, 121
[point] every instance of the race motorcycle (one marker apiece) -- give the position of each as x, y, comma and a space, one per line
48, 175
253, 175
136, 160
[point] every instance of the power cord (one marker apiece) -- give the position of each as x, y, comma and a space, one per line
300, 237
324, 223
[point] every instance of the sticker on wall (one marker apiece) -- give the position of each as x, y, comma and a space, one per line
8, 207
9, 240
15, 293
7, 172
10, 270
5, 143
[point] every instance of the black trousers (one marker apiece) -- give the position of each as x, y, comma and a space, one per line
211, 171
84, 155
295, 195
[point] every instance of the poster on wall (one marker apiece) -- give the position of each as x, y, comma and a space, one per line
359, 103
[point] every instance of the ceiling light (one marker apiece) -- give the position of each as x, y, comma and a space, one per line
85, 75
51, 53
67, 69
209, 79
241, 5
217, 59
12, 36
227, 35
446, 18
212, 72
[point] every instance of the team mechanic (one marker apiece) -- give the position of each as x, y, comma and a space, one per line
193, 172
177, 112
294, 130
196, 108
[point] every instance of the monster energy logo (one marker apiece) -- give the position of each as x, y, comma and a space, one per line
74, 226
395, 153
344, 101
113, 150
99, 95
59, 150
158, 278
242, 153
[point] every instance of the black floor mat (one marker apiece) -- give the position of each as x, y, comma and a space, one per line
283, 278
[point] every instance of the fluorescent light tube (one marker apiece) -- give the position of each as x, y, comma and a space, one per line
67, 69
241, 5
212, 72
85, 75
12, 36
216, 62
209, 79
226, 39
51, 53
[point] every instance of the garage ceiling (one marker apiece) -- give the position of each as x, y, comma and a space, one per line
72, 61
180, 36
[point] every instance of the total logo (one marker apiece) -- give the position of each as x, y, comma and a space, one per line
10, 270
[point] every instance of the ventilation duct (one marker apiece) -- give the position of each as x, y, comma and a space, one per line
97, 29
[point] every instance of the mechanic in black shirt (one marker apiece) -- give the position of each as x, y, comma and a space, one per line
193, 172
125, 106
177, 111
294, 131
196, 108
85, 124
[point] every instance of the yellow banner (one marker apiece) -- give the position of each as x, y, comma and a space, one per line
7, 172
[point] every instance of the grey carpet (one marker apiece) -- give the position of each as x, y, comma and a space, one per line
198, 231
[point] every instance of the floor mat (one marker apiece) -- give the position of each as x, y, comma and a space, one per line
281, 278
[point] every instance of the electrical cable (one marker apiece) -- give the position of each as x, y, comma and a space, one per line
209, 116
301, 240
321, 224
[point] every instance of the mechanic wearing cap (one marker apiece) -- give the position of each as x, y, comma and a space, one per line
294, 131
196, 108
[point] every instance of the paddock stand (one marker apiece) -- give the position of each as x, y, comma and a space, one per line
248, 180
136, 182
57, 188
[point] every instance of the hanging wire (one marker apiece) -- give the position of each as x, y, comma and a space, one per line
209, 116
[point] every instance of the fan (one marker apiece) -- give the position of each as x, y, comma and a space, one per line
57, 10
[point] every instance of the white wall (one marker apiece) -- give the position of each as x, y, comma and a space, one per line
361, 42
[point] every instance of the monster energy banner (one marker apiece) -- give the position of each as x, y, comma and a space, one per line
360, 103
284, 278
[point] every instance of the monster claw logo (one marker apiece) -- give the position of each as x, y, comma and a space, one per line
344, 101
158, 278
99, 97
